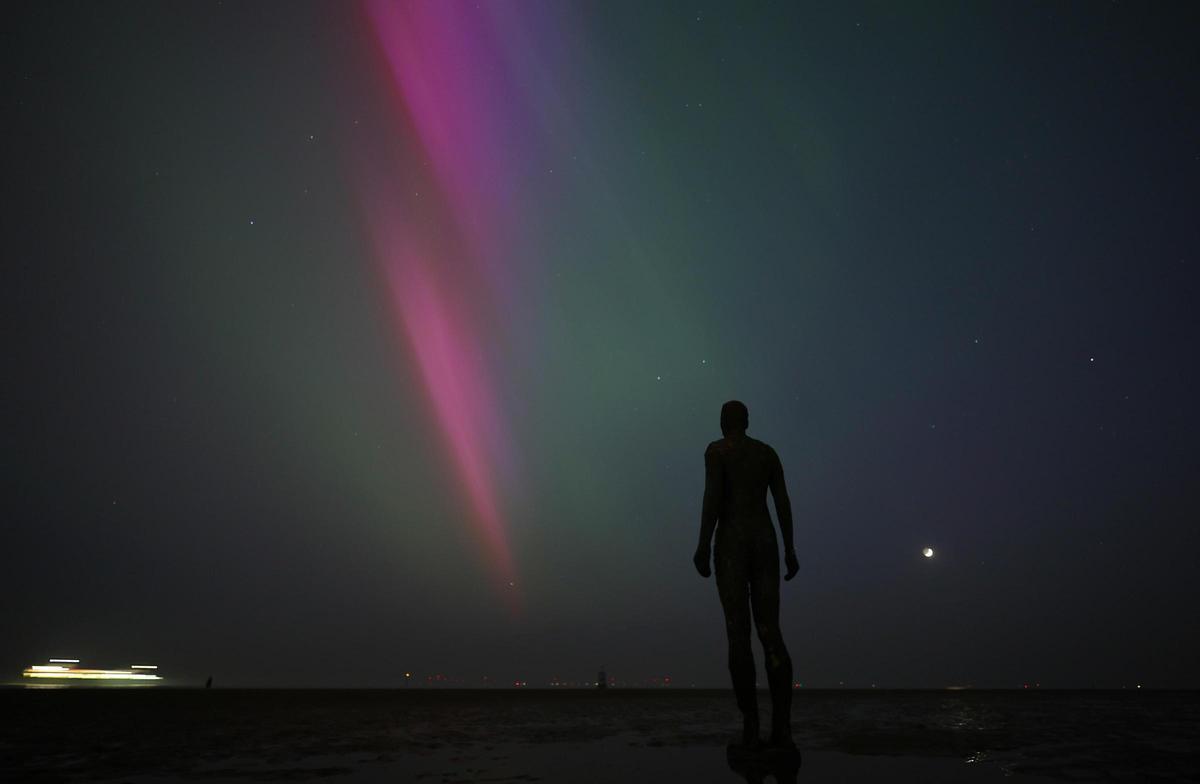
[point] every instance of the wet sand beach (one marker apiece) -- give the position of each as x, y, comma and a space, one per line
369, 736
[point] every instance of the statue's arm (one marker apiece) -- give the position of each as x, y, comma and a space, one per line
713, 487
783, 504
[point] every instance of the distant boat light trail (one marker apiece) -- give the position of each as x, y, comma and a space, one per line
43, 671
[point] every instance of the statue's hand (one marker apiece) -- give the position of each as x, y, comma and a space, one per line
793, 565
702, 559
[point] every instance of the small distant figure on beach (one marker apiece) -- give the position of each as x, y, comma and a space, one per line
602, 679
738, 471
208, 683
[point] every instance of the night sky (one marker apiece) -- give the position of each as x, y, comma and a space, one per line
343, 340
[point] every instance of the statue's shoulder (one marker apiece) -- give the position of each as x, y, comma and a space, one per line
763, 447
718, 447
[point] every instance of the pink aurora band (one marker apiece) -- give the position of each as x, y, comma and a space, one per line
436, 198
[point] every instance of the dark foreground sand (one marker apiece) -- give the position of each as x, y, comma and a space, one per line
596, 762
161, 735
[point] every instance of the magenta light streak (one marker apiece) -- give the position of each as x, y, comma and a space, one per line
436, 314
450, 70
438, 230
458, 384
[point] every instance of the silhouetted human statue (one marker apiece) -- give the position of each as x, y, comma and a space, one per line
738, 471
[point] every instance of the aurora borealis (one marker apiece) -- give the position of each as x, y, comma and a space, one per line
354, 339
445, 262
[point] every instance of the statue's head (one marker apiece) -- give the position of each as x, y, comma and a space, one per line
735, 417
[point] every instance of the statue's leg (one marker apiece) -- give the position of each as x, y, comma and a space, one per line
735, 601
764, 594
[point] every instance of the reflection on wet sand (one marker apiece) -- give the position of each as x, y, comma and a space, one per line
754, 768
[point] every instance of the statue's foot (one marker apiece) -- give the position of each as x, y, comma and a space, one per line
750, 734
749, 741
781, 740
